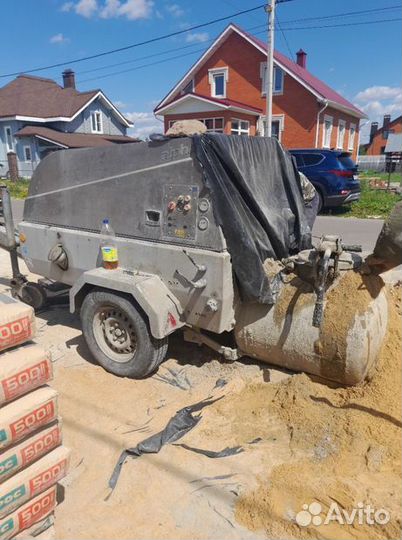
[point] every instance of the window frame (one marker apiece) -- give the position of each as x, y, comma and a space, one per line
240, 130
94, 123
8, 149
203, 120
339, 143
327, 118
263, 76
275, 118
351, 140
27, 147
214, 72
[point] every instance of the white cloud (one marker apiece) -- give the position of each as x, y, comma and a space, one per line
86, 8
197, 37
59, 38
119, 104
108, 9
145, 123
376, 101
175, 10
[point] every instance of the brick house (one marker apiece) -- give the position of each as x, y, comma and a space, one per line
225, 89
378, 136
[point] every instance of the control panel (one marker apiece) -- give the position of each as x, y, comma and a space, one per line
180, 205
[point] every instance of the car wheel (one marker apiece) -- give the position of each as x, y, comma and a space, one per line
320, 205
118, 335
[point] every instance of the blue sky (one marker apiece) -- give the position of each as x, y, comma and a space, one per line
361, 62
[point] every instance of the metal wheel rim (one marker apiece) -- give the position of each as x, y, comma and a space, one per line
115, 333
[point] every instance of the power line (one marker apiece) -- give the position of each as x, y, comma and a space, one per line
342, 24
346, 14
153, 40
284, 37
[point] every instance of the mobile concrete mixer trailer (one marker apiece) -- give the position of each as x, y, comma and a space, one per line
200, 224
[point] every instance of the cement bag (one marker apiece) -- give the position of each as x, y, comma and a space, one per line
28, 514
23, 370
29, 450
27, 414
17, 322
33, 480
41, 530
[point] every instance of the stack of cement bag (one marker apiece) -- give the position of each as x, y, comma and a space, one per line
32, 458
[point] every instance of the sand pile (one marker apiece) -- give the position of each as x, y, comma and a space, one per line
345, 446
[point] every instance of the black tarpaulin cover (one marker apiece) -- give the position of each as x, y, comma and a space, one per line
258, 203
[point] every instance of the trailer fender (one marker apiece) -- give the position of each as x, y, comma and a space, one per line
162, 308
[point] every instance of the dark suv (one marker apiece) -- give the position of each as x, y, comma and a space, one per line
332, 172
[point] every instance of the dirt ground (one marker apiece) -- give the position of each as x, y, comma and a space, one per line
303, 442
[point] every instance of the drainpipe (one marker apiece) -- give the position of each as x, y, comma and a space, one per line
318, 121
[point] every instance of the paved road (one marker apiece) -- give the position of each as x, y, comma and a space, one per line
352, 230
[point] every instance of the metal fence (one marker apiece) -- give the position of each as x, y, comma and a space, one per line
377, 164
25, 168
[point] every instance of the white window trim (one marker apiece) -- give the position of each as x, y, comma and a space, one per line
185, 85
240, 131
203, 120
30, 152
6, 139
275, 118
263, 71
211, 75
341, 123
351, 142
330, 119
93, 115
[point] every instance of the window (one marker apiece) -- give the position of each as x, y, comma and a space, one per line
96, 122
218, 77
299, 160
9, 138
278, 79
188, 88
27, 153
327, 131
341, 133
240, 127
352, 133
213, 125
312, 159
276, 128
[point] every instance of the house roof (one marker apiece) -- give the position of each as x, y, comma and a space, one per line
39, 99
394, 143
321, 90
229, 104
72, 140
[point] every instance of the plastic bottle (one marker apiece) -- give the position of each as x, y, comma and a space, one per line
108, 246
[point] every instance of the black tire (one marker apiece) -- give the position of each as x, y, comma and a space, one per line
34, 295
320, 206
118, 335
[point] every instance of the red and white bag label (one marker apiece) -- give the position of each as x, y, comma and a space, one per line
27, 414
35, 479
23, 370
27, 515
29, 450
17, 324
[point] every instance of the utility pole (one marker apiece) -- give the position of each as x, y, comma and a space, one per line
269, 78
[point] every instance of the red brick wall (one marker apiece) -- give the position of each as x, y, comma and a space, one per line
379, 142
336, 116
299, 106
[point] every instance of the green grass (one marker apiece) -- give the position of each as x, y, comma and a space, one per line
395, 177
19, 189
376, 203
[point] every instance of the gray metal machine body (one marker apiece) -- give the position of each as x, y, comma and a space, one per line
172, 253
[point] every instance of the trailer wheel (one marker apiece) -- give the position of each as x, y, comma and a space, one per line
118, 335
